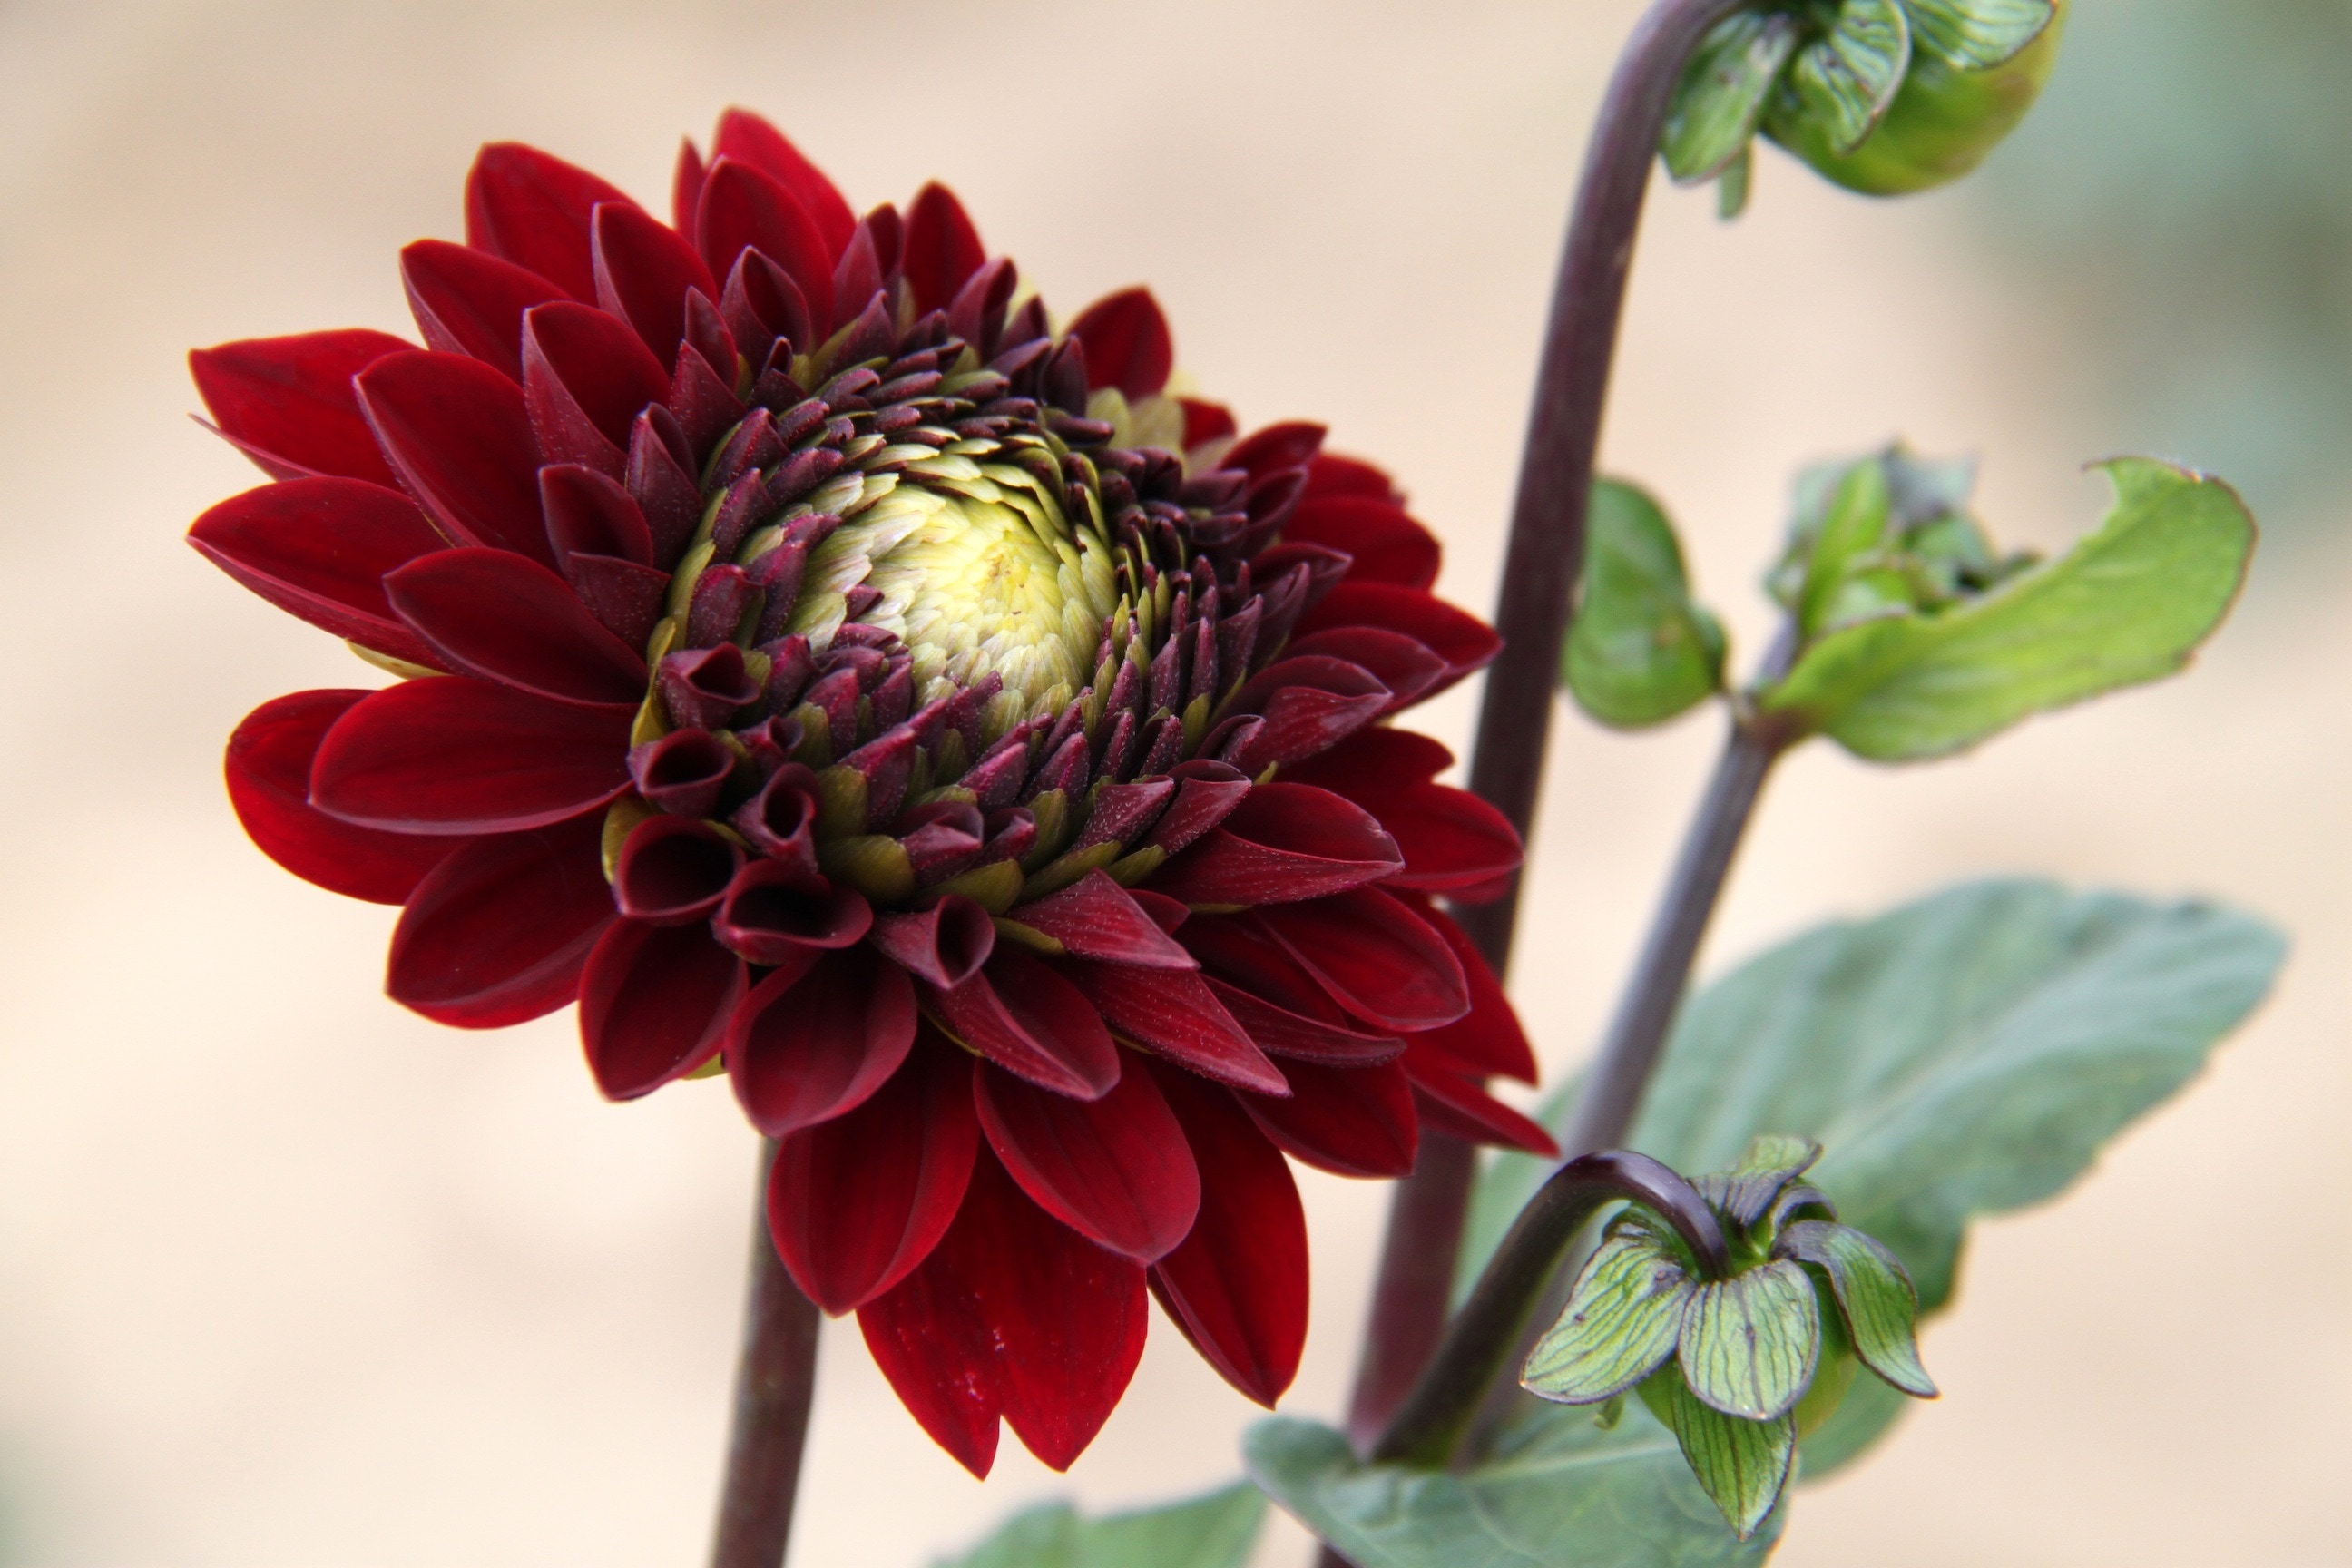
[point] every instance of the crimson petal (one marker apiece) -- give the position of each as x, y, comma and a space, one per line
1332, 475
532, 209
746, 209
470, 303
1280, 1032
1488, 1039
1237, 1284
455, 430
1408, 670
817, 1038
857, 1203
1463, 641
945, 944
269, 769
513, 621
585, 377
1388, 546
1353, 1121
288, 401
1453, 1103
943, 250
1375, 957
1094, 917
748, 139
1128, 346
499, 932
1115, 1170
1384, 756
1310, 703
1453, 841
1022, 1015
654, 1005
777, 912
318, 549
1285, 842
643, 270
457, 756
1175, 1014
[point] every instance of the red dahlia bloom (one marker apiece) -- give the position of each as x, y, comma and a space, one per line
833, 676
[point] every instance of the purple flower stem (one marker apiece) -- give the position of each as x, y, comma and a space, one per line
774, 1382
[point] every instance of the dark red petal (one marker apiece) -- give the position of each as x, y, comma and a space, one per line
1025, 1017
585, 377
589, 514
1311, 704
1205, 422
318, 549
943, 248
674, 869
1488, 1039
268, 768
857, 1203
469, 302
818, 1037
1375, 957
1174, 1014
452, 755
534, 210
643, 270
1207, 793
1453, 1103
455, 430
1388, 546
1237, 1285
288, 401
498, 933
654, 1005
1094, 917
686, 186
1408, 670
1128, 346
1463, 641
1450, 838
776, 912
1354, 1122
1115, 1170
513, 621
1383, 757
1285, 842
748, 139
744, 208
945, 944
1332, 475
1281, 1032
1290, 445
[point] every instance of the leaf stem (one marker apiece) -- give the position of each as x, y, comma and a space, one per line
1430, 1424
774, 1380
1542, 561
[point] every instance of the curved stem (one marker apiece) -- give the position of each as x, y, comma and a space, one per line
774, 1381
1542, 561
1430, 1424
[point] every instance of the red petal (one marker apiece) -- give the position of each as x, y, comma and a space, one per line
1237, 1285
589, 514
455, 430
945, 944
816, 1039
855, 1203
1408, 670
1207, 793
1354, 1122
748, 139
1452, 1103
1383, 757
1388, 545
1463, 641
1094, 917
1488, 1039
943, 248
457, 756
515, 622
1290, 445
1025, 1017
1175, 1014
743, 208
268, 768
1332, 475
1375, 957
1128, 346
776, 912
1283, 1033
1450, 838
1309, 703
673, 870
289, 403
1205, 422
470, 303
534, 210
1114, 1169
1285, 842
654, 1005
585, 377
643, 270
498, 933
318, 549
686, 186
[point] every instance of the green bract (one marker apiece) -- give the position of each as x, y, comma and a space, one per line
1640, 650
1881, 95
1728, 1364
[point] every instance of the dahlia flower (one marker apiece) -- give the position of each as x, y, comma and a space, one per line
833, 675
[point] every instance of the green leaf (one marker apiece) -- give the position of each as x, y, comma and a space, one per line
1772, 1159
1750, 1342
2128, 604
1640, 650
1840, 83
1874, 1295
1620, 1325
1853, 524
1976, 34
1743, 1465
1559, 1493
1722, 91
1212, 1532
1869, 1410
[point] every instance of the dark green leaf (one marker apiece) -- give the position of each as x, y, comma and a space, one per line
1840, 83
1640, 650
1742, 1464
1750, 1342
2128, 604
1557, 1493
1976, 34
1212, 1532
1622, 1322
1722, 91
1873, 1294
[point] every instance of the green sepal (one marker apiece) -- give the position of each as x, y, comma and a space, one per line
1874, 1296
2128, 604
1743, 1465
1623, 1320
1840, 83
1640, 650
1749, 1344
1771, 1161
1722, 93
1976, 34
1731, 186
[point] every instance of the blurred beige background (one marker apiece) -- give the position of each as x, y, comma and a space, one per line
290, 1277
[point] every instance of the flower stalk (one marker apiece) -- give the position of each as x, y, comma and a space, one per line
774, 1381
